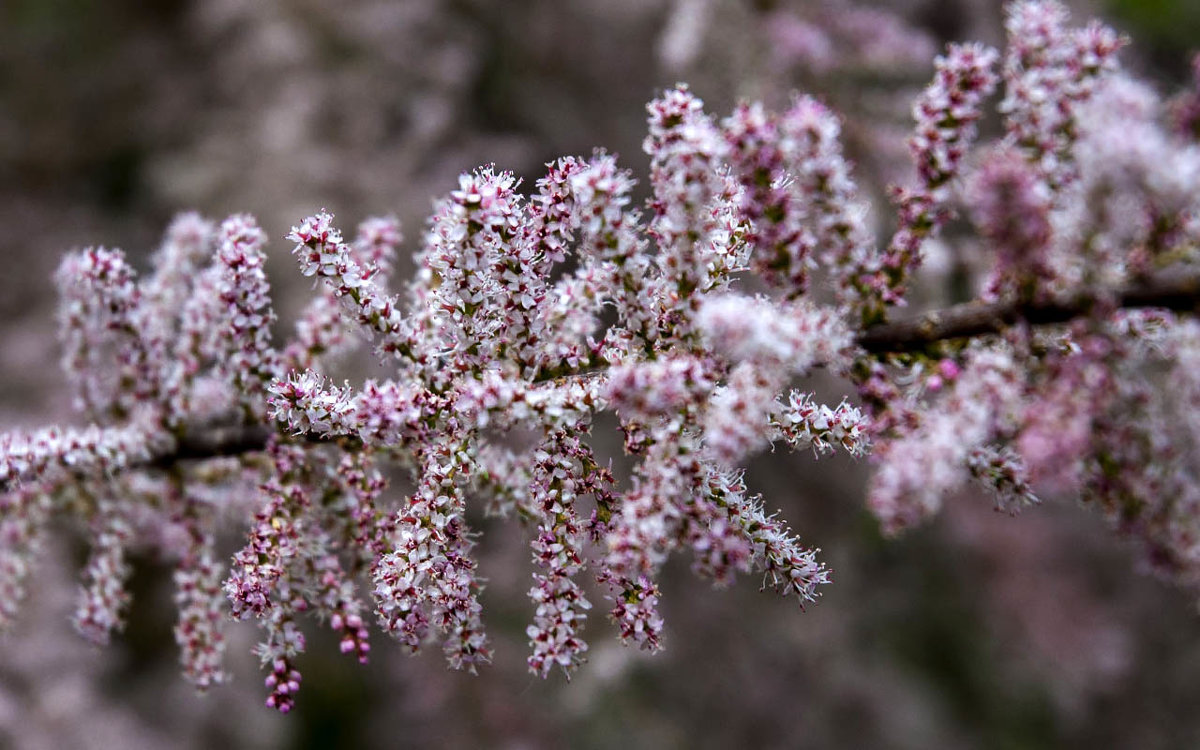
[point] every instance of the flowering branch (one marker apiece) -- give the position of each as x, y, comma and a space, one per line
530, 316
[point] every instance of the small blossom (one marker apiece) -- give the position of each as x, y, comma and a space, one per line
102, 600
253, 363
1048, 71
769, 203
635, 612
278, 652
99, 312
1002, 471
1011, 205
376, 244
199, 597
55, 452
322, 253
796, 336
306, 403
804, 423
945, 113
558, 549
918, 469
659, 387
24, 513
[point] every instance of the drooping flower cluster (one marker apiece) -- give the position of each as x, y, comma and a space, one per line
690, 320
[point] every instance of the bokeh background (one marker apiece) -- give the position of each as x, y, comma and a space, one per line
978, 631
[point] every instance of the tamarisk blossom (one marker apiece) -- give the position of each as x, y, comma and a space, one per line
193, 388
321, 331
804, 423
24, 514
769, 203
1011, 204
658, 403
322, 253
1048, 72
188, 245
289, 566
427, 578
376, 243
836, 214
285, 641
686, 151
57, 453
559, 549
274, 541
918, 470
102, 599
769, 344
199, 596
646, 390
470, 232
1184, 108
100, 298
1141, 179
788, 567
253, 363
690, 318
945, 114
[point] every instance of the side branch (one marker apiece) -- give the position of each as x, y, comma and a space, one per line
232, 441
227, 441
1178, 291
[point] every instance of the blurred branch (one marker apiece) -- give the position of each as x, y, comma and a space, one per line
1177, 290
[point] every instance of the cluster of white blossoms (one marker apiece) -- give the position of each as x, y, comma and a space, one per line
694, 319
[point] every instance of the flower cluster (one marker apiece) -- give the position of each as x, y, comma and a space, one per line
1049, 71
690, 319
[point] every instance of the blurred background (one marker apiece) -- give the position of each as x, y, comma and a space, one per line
978, 631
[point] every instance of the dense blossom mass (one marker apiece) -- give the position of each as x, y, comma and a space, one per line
693, 319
